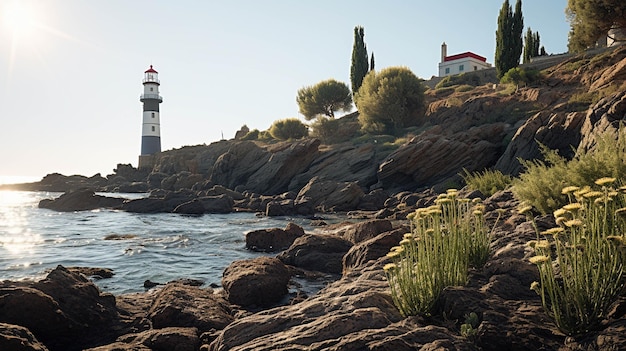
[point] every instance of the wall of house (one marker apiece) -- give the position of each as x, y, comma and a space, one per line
464, 65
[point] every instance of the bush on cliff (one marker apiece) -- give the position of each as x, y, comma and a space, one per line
390, 100
289, 128
541, 183
488, 182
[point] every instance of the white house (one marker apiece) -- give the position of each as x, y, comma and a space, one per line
460, 63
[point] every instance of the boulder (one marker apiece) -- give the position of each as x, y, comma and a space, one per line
206, 204
356, 305
358, 232
374, 200
436, 156
342, 163
286, 161
178, 305
174, 338
557, 130
80, 200
17, 338
280, 208
234, 166
65, 311
363, 253
604, 116
329, 195
275, 239
257, 282
323, 253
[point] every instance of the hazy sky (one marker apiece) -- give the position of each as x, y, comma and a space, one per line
71, 70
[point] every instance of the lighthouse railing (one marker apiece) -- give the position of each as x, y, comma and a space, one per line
151, 80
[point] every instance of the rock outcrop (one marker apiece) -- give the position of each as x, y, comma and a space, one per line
274, 239
257, 282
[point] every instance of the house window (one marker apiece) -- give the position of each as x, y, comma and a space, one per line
152, 114
447, 70
461, 68
153, 128
475, 68
151, 89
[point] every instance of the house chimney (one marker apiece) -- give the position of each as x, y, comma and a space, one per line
444, 51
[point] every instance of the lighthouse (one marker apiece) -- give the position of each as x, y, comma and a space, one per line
151, 124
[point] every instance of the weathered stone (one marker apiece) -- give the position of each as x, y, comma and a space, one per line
432, 158
323, 253
174, 339
80, 200
329, 195
361, 254
257, 282
275, 239
365, 230
17, 338
178, 305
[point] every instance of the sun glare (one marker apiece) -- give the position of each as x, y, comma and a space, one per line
19, 17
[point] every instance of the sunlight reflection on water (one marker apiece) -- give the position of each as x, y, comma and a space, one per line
17, 238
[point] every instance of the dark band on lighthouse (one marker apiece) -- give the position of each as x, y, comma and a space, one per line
151, 125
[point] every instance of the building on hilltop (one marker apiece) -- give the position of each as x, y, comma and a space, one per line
151, 125
460, 63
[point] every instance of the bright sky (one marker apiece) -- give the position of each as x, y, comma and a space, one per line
71, 70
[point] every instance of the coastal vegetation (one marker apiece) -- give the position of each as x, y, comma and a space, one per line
289, 128
324, 99
445, 240
509, 43
581, 260
390, 100
359, 64
591, 20
541, 183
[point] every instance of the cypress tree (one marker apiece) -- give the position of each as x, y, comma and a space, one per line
359, 67
503, 39
517, 32
372, 62
509, 44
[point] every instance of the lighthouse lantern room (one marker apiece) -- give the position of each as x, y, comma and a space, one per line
151, 125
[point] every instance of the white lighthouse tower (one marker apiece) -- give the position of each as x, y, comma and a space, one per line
151, 127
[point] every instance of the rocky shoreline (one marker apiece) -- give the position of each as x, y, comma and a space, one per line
258, 306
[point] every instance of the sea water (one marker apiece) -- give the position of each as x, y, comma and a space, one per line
157, 247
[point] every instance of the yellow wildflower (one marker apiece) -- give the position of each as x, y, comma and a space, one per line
575, 206
524, 209
542, 244
535, 286
605, 181
390, 267
574, 223
569, 189
560, 221
539, 259
560, 212
592, 194
553, 231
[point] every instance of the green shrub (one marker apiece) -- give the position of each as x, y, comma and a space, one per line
459, 79
541, 182
487, 182
519, 75
581, 261
445, 240
289, 128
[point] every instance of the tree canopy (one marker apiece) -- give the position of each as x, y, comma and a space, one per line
324, 99
390, 100
592, 19
288, 128
531, 45
509, 37
359, 66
